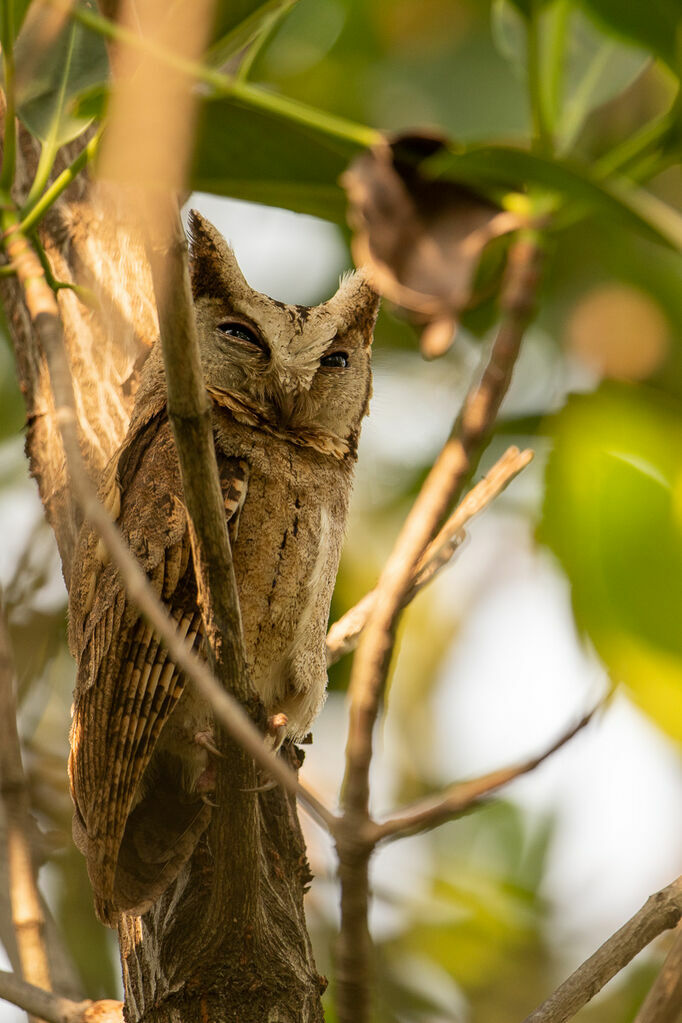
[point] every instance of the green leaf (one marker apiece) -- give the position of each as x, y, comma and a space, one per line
582, 67
238, 23
46, 98
654, 24
597, 69
518, 169
613, 516
269, 158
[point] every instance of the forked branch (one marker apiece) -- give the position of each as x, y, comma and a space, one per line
442, 487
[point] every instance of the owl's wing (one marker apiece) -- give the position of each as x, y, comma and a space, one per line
134, 823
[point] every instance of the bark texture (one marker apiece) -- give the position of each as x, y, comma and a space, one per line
199, 953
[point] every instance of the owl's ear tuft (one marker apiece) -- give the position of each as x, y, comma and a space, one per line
355, 305
214, 269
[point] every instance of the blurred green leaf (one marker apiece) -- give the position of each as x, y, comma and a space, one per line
268, 158
505, 166
613, 516
656, 24
75, 62
17, 10
582, 66
239, 22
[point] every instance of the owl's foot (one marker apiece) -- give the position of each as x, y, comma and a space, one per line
206, 741
277, 730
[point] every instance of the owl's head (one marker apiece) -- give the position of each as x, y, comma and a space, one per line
302, 372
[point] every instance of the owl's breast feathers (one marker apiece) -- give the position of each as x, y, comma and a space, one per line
135, 820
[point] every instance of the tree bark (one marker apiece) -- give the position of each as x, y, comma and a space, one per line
185, 959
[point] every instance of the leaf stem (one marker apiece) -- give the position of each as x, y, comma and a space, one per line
33, 213
50, 147
10, 143
626, 156
542, 137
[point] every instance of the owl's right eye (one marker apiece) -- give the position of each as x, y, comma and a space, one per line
242, 333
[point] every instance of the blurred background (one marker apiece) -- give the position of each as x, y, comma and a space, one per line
570, 582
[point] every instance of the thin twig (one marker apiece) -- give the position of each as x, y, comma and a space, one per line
54, 1008
344, 634
189, 410
236, 835
442, 486
663, 1004
463, 796
27, 913
44, 314
659, 913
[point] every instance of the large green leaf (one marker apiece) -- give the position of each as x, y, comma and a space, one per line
269, 158
511, 168
46, 98
654, 24
613, 517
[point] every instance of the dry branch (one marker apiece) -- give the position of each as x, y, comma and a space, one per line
464, 796
344, 634
663, 1004
659, 913
26, 905
442, 486
55, 1009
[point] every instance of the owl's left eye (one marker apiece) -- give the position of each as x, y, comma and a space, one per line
242, 333
338, 360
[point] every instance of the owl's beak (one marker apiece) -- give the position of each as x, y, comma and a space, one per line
285, 404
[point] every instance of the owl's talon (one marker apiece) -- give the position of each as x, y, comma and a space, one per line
205, 739
277, 729
265, 787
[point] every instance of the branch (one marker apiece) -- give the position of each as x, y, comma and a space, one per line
54, 1008
190, 413
44, 315
464, 796
26, 907
659, 913
344, 634
663, 1004
442, 486
235, 835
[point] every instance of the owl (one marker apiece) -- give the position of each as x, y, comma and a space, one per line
289, 387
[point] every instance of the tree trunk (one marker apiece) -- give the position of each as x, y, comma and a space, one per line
199, 953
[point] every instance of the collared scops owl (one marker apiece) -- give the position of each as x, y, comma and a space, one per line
290, 386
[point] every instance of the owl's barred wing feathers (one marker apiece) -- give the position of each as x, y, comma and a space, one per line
136, 825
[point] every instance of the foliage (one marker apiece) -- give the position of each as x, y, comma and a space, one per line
567, 111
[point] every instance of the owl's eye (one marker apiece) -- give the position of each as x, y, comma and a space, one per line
339, 360
241, 333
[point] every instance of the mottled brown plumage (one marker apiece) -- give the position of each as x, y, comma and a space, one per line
290, 386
